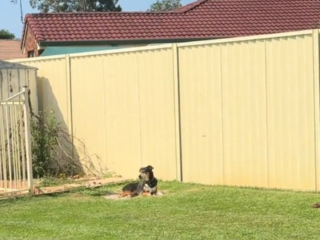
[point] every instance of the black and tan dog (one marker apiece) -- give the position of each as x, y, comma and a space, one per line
146, 187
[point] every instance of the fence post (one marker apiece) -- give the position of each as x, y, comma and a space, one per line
177, 112
26, 109
315, 39
69, 97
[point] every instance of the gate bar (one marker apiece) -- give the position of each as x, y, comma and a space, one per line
26, 108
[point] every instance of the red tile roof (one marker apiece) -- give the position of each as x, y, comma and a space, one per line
10, 49
201, 19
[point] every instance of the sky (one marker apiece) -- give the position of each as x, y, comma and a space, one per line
10, 16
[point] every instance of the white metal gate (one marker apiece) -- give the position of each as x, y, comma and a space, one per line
15, 145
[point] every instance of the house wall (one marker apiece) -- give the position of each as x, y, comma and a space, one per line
242, 111
88, 46
30, 44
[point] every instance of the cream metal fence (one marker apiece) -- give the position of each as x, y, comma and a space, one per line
241, 111
15, 145
248, 111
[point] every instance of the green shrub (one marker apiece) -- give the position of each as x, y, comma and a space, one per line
50, 147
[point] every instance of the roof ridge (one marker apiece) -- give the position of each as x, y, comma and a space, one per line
190, 6
102, 13
182, 9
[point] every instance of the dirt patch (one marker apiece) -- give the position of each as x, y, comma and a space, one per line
116, 196
84, 182
105, 181
91, 183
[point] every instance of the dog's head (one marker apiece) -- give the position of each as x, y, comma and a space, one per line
146, 173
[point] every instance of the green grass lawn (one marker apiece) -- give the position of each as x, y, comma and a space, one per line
186, 211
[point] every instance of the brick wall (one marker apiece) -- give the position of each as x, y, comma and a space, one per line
31, 44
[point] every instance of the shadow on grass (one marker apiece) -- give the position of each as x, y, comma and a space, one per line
80, 191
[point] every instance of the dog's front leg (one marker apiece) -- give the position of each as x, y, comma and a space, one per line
153, 191
147, 189
140, 188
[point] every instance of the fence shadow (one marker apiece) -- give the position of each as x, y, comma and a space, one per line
70, 149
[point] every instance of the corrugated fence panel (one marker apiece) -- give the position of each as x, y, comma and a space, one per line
247, 112
122, 121
244, 113
157, 118
290, 97
246, 109
88, 109
53, 87
201, 114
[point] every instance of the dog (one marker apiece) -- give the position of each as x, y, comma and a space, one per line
150, 182
147, 185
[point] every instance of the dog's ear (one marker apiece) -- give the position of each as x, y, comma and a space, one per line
150, 167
